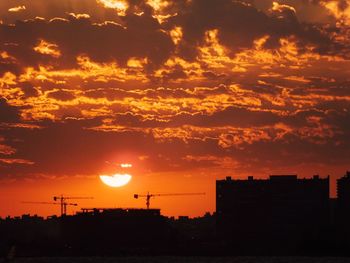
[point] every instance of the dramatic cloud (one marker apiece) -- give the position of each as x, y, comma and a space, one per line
226, 87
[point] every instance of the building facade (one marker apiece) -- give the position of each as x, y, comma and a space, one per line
343, 191
282, 211
343, 210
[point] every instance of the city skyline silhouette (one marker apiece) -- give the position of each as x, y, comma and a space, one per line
186, 92
281, 215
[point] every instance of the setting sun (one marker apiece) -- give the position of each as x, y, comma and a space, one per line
116, 180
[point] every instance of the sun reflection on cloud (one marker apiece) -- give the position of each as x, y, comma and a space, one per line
158, 5
17, 9
342, 15
120, 6
176, 34
47, 48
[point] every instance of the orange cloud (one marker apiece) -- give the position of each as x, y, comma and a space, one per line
342, 15
16, 161
281, 7
158, 5
119, 5
17, 9
176, 35
5, 149
174, 75
8, 79
47, 48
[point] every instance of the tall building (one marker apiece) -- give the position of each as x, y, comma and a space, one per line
343, 202
343, 190
279, 211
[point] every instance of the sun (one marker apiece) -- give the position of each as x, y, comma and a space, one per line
116, 180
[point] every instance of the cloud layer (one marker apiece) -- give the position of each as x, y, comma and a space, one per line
231, 86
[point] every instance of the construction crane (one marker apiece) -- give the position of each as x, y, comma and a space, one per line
63, 202
148, 196
63, 211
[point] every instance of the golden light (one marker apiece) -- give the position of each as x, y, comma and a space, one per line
176, 34
116, 180
334, 8
280, 7
47, 48
125, 165
136, 63
119, 5
157, 4
17, 8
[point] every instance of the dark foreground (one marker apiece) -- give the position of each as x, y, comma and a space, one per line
122, 233
184, 259
118, 235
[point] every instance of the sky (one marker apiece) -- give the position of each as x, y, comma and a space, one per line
187, 91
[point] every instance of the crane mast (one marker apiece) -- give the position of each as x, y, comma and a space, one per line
148, 196
63, 202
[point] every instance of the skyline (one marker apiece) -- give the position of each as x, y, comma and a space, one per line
186, 91
37, 206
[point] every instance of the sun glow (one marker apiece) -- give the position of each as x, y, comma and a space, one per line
116, 180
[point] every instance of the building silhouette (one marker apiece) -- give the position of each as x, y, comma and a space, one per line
343, 192
92, 232
343, 211
282, 213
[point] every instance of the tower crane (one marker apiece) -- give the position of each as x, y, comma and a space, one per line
63, 202
63, 211
148, 196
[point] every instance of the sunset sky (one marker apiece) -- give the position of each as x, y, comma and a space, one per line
187, 91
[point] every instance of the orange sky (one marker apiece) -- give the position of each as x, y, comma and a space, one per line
188, 91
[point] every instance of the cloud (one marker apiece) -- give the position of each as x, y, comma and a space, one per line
17, 8
8, 113
226, 85
46, 48
15, 161
240, 24
119, 5
115, 42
